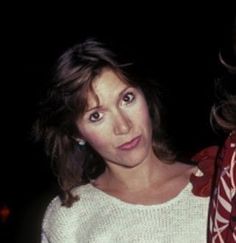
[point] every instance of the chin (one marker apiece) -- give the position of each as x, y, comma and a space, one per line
132, 163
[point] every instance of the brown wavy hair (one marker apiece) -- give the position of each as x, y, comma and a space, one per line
224, 114
66, 101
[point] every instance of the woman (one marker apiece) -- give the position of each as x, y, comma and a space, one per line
120, 182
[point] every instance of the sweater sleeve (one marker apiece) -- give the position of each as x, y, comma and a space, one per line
49, 224
44, 238
59, 223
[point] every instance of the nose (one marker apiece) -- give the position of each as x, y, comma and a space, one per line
122, 124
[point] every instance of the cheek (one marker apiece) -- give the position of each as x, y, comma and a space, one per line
145, 112
142, 115
96, 139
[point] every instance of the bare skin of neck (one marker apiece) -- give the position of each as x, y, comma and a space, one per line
147, 183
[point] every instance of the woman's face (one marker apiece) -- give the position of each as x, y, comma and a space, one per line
118, 126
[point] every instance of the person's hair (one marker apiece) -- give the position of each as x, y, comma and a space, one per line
66, 102
223, 113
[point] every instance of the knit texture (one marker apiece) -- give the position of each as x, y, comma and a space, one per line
100, 218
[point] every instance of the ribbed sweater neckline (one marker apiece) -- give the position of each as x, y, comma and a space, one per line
119, 202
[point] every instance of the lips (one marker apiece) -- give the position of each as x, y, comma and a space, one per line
131, 144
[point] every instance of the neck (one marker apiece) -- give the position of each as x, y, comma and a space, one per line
137, 178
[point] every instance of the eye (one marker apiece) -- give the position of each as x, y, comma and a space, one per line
128, 98
95, 116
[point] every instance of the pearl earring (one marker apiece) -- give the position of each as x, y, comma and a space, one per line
80, 141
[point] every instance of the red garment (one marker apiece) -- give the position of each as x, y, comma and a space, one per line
218, 166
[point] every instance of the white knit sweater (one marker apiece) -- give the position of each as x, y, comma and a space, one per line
100, 218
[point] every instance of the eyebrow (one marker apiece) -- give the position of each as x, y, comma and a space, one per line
119, 95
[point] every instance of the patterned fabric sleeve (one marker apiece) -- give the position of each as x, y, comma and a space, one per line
218, 180
202, 181
222, 211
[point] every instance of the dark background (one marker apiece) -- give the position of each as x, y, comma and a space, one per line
176, 44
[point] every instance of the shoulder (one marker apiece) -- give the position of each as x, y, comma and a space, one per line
185, 170
60, 221
200, 183
54, 221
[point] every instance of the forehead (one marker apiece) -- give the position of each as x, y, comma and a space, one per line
108, 80
106, 86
